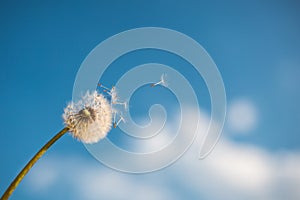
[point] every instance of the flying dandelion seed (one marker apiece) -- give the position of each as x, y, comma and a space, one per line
161, 82
119, 121
114, 103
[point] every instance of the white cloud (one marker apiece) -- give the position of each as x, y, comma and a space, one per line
43, 176
89, 180
242, 116
108, 184
232, 171
240, 171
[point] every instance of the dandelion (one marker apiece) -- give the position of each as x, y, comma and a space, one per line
161, 82
89, 120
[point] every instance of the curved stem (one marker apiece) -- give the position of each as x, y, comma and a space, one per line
29, 165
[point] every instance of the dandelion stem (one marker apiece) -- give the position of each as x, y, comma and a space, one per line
29, 165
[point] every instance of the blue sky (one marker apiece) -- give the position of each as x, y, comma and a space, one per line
255, 45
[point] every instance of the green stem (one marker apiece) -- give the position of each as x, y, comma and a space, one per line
29, 165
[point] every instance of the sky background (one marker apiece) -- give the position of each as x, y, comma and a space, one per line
255, 45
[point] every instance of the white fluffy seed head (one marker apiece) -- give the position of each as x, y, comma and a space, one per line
89, 119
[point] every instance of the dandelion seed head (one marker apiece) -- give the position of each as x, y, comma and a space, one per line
90, 119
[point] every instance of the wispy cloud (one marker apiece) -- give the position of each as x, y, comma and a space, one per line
232, 171
242, 115
87, 179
